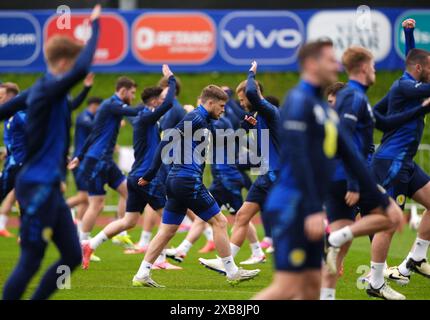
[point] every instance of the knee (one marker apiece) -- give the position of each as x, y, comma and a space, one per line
241, 218
220, 222
129, 223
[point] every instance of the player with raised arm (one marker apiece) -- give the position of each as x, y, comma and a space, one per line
8, 91
185, 188
393, 163
45, 215
83, 126
345, 194
146, 138
295, 204
267, 118
98, 166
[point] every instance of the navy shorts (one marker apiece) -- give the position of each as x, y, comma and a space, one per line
44, 215
80, 181
260, 188
138, 197
188, 193
8, 179
337, 208
228, 192
98, 173
294, 252
401, 179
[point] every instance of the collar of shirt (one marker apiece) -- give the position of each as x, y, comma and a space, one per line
407, 75
203, 112
307, 86
357, 85
115, 97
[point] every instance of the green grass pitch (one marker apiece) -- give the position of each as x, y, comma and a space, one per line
111, 278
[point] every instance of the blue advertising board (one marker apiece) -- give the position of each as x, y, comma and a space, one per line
208, 40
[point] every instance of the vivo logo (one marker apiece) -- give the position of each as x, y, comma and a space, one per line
270, 37
250, 36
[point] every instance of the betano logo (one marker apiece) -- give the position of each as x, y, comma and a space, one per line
112, 45
176, 38
271, 37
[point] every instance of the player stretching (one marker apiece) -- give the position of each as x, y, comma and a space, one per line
393, 163
44, 212
146, 138
8, 90
267, 119
185, 188
98, 166
83, 126
295, 204
357, 121
226, 187
167, 122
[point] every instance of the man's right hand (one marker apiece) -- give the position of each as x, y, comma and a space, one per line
409, 24
251, 120
166, 71
73, 164
426, 102
142, 182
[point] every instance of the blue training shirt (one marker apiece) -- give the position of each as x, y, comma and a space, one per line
83, 127
311, 142
146, 134
101, 142
49, 119
268, 118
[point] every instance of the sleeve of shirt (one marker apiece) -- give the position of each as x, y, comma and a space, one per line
266, 109
88, 142
356, 165
59, 86
295, 120
82, 122
177, 132
414, 90
123, 110
153, 117
386, 123
352, 106
14, 105
409, 39
79, 99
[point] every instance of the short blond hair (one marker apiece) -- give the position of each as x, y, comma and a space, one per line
10, 87
242, 86
354, 57
213, 92
61, 47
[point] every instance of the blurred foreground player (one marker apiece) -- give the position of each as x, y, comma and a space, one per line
45, 215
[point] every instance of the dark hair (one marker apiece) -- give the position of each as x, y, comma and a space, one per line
273, 100
213, 92
313, 49
125, 82
417, 56
334, 88
94, 100
149, 93
164, 83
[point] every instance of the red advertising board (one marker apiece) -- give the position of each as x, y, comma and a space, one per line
113, 43
177, 38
